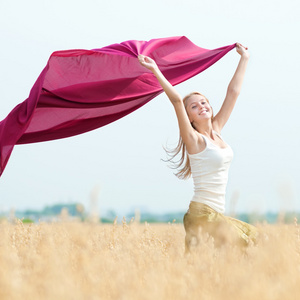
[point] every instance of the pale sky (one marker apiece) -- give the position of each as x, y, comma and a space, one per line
123, 159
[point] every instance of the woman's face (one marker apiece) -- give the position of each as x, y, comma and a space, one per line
198, 108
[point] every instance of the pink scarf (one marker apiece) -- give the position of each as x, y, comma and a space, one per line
81, 90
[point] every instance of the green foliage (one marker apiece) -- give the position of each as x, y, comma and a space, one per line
56, 209
106, 220
27, 221
77, 210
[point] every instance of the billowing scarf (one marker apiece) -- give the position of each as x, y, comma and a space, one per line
81, 90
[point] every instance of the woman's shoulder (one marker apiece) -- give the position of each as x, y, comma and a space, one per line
199, 146
216, 128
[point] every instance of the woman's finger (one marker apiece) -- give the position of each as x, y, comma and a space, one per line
240, 45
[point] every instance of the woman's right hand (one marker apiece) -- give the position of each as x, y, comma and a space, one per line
147, 62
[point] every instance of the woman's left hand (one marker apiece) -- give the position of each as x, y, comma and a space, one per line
242, 50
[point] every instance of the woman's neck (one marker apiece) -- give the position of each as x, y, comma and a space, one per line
205, 128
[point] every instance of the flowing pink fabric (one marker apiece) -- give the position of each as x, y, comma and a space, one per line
81, 90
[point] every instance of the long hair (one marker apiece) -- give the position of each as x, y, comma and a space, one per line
182, 165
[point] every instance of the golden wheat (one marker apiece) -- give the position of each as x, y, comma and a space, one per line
132, 261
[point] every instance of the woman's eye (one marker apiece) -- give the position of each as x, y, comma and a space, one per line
194, 107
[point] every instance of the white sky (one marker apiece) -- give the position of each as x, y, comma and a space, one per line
124, 158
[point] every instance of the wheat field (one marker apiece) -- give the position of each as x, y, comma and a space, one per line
75, 260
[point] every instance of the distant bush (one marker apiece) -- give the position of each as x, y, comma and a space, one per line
106, 220
27, 221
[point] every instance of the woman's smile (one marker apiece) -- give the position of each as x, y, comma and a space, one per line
204, 111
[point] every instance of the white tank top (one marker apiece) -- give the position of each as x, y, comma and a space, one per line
210, 174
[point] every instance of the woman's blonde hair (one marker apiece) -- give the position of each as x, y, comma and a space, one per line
183, 164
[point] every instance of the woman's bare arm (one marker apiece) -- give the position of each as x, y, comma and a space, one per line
233, 90
187, 132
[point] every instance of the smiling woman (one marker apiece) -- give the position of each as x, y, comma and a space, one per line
206, 157
198, 101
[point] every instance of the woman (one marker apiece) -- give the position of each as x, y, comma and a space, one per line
206, 157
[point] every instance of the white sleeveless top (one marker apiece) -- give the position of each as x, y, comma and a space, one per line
210, 174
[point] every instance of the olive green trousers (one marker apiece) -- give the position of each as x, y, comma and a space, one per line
201, 220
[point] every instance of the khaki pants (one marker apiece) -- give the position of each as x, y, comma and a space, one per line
201, 219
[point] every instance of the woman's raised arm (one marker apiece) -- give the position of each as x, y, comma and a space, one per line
150, 64
233, 90
187, 132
